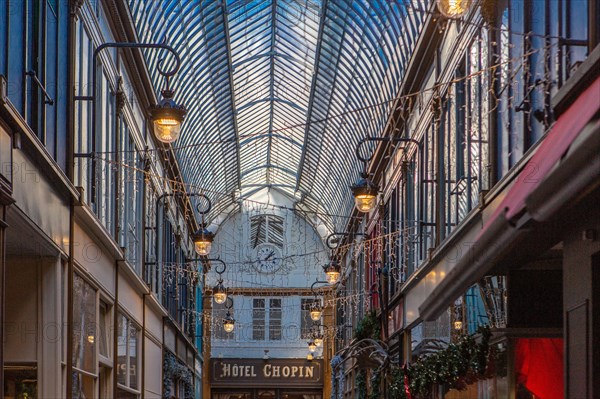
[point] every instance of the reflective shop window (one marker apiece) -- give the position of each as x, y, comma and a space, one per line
84, 322
84, 338
20, 381
127, 354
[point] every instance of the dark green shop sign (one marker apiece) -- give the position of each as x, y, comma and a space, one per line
263, 373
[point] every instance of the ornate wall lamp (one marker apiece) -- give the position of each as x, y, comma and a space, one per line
219, 291
229, 321
166, 116
317, 335
454, 8
365, 190
203, 238
316, 309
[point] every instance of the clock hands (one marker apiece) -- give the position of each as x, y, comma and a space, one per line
271, 254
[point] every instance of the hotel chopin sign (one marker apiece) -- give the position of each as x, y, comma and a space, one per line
264, 373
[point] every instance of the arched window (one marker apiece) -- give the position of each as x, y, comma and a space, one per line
266, 229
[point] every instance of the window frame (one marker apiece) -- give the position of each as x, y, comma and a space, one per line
138, 336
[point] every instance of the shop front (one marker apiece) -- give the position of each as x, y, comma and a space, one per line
266, 379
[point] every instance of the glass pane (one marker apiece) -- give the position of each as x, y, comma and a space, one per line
258, 319
232, 395
122, 350
275, 319
84, 321
102, 334
83, 386
266, 394
122, 394
20, 382
297, 395
133, 351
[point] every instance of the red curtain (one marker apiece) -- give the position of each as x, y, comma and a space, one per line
539, 366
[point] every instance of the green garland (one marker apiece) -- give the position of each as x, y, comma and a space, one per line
375, 387
368, 327
361, 384
174, 371
458, 365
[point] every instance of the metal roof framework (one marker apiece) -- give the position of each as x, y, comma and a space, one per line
280, 91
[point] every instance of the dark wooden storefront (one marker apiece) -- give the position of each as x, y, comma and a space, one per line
266, 379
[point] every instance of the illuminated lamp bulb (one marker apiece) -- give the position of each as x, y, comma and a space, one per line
315, 313
365, 194
333, 272
219, 293
203, 241
453, 8
167, 117
228, 323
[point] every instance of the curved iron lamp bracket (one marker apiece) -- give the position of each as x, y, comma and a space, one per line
332, 241
220, 268
312, 287
229, 303
365, 161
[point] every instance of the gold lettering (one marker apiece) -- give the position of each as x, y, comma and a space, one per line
309, 372
234, 370
294, 371
301, 372
252, 373
225, 370
267, 370
276, 371
285, 371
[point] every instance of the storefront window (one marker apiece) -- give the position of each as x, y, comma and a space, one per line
83, 386
103, 330
84, 322
127, 347
84, 338
539, 367
20, 382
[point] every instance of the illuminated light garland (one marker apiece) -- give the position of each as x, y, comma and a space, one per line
434, 89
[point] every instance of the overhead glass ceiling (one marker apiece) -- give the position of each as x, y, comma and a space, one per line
279, 92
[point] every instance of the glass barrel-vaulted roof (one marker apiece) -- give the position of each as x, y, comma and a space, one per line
279, 92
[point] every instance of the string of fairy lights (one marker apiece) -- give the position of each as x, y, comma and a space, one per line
395, 242
176, 186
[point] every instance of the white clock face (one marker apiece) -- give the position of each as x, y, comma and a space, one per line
267, 259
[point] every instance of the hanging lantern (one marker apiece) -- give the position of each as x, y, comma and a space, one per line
453, 8
203, 241
365, 194
228, 323
312, 347
315, 312
310, 357
458, 325
333, 272
220, 293
167, 117
318, 340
